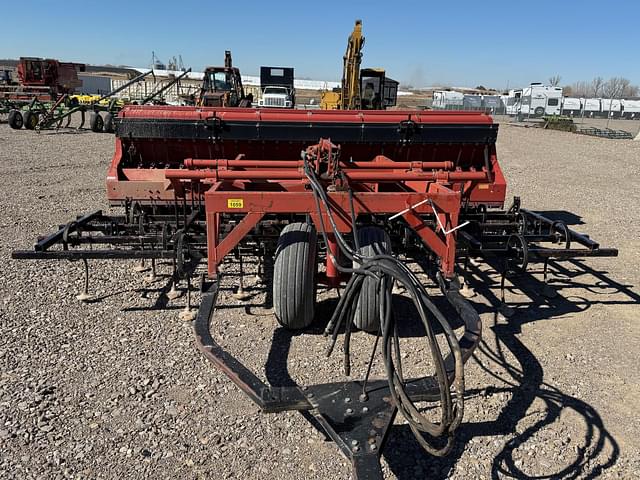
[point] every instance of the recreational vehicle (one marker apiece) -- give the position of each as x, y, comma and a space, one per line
539, 100
535, 100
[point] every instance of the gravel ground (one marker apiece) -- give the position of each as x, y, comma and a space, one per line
116, 389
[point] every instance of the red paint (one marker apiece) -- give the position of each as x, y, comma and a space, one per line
255, 178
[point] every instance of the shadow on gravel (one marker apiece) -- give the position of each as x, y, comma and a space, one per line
66, 131
590, 456
525, 384
569, 218
523, 379
586, 457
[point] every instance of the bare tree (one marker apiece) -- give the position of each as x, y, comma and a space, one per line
614, 87
611, 89
632, 91
567, 90
596, 86
624, 86
554, 81
626, 89
581, 89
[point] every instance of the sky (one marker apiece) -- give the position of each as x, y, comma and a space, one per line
497, 44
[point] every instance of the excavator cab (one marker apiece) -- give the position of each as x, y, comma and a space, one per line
377, 91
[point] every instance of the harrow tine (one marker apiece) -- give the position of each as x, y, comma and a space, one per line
260, 273
547, 290
465, 290
85, 296
188, 314
505, 310
173, 293
140, 267
152, 277
241, 294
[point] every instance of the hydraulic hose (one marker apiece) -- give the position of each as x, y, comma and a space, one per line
386, 270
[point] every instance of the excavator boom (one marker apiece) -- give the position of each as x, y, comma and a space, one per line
366, 89
351, 72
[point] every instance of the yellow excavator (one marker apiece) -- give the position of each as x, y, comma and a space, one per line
366, 89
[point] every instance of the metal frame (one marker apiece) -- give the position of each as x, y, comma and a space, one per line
356, 416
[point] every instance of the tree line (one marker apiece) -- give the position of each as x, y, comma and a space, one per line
615, 87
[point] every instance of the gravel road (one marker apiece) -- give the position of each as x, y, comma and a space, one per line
116, 388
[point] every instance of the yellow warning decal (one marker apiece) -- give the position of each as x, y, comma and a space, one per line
235, 203
483, 186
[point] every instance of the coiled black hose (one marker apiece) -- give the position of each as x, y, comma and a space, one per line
384, 268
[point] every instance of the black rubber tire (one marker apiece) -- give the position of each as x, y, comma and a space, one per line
294, 272
372, 241
96, 123
539, 111
108, 123
15, 119
30, 119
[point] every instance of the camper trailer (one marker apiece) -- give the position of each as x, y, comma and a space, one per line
472, 102
591, 106
571, 106
492, 104
631, 109
447, 100
512, 101
610, 107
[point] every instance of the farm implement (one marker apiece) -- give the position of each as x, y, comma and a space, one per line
334, 199
40, 115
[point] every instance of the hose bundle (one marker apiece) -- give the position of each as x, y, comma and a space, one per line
387, 270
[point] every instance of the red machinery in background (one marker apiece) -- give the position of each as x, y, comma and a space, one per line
44, 79
59, 77
347, 189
